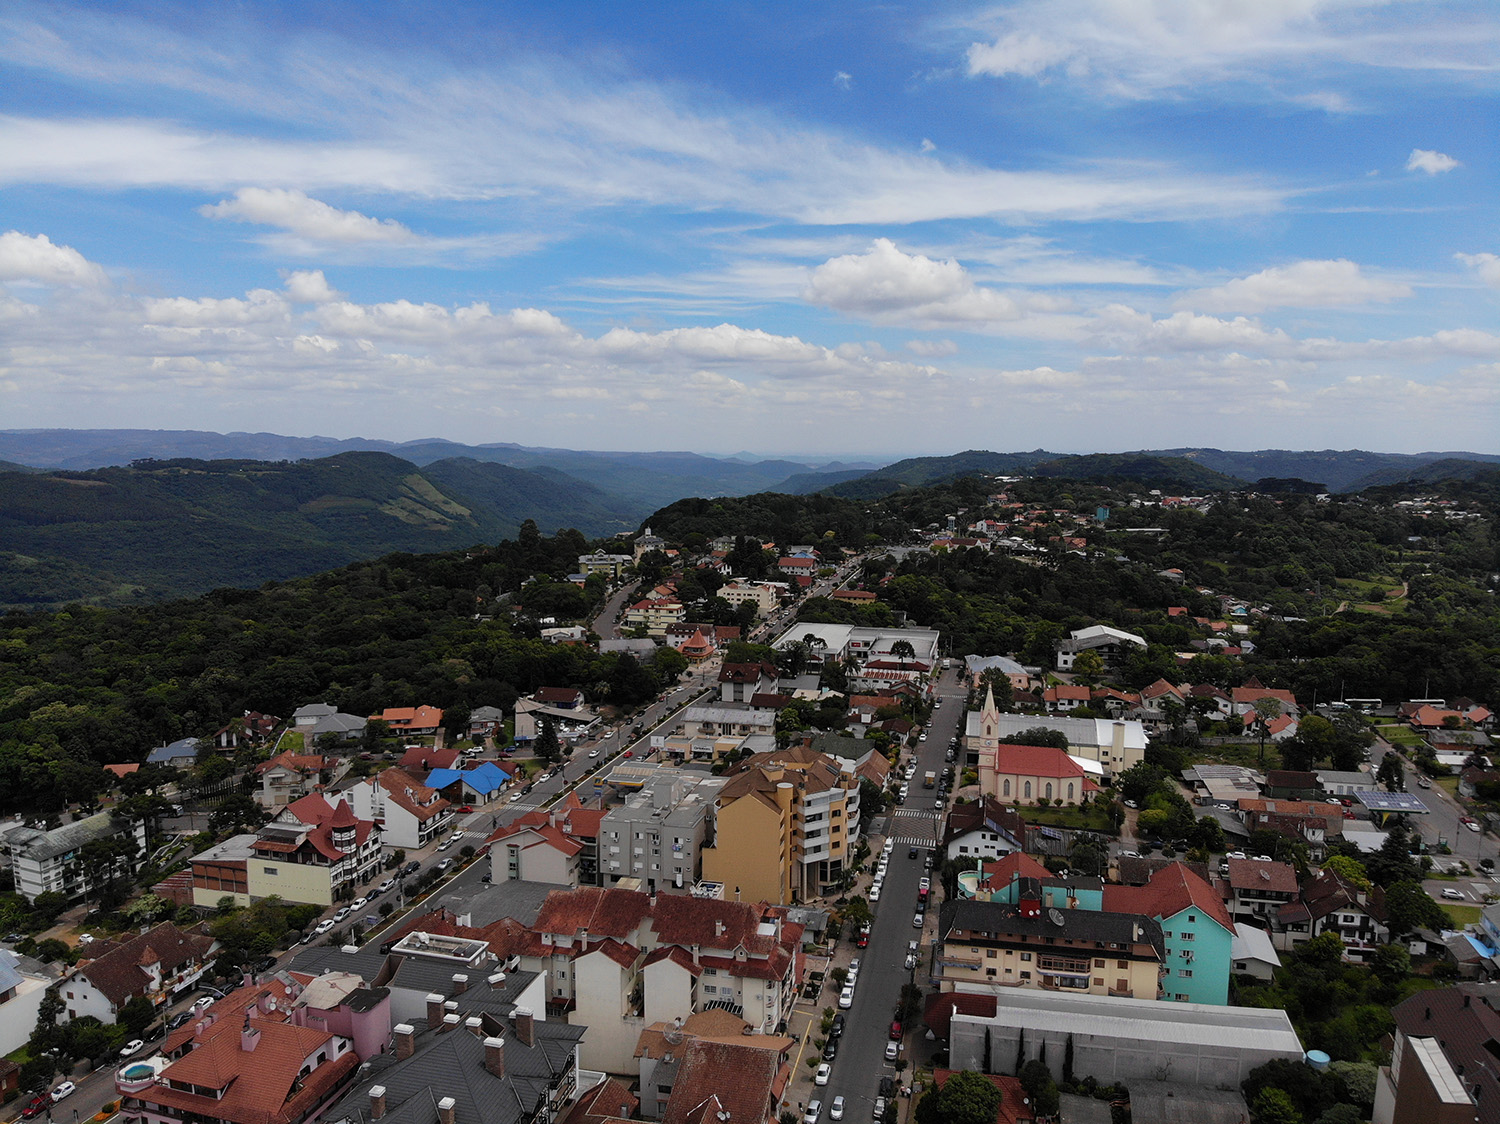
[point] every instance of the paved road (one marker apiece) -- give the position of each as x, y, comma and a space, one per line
1442, 823
861, 1059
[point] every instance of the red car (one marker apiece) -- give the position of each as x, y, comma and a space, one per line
39, 1104
895, 1030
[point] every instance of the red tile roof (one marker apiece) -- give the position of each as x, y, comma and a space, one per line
1013, 1107
942, 1006
719, 1081
1035, 761
1170, 891
116, 969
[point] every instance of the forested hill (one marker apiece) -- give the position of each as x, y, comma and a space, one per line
166, 528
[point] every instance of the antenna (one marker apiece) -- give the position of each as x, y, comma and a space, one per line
1056, 917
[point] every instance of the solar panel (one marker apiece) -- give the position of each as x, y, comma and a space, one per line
1392, 802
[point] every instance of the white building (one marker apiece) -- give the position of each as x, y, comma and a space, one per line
411, 815
63, 861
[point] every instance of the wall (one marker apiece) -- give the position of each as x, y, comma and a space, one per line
293, 882
748, 853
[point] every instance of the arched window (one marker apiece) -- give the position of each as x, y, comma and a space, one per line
1070, 791
1007, 788
1048, 793
1028, 790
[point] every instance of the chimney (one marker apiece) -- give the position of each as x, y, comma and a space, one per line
250, 1037
718, 927
474, 1025
434, 1011
460, 983
449, 1022
446, 1110
497, 980
406, 1040
525, 1024
494, 1056
377, 1101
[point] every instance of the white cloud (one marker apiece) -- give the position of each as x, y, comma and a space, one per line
302, 215
36, 258
309, 286
1486, 265
260, 306
843, 79
1304, 284
883, 279
1429, 161
1148, 48
932, 349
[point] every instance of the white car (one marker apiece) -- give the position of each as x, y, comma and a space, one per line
204, 1002
836, 1110
921, 737
514, 796
1453, 895
892, 1049
875, 892
879, 1110
66, 1089
825, 1071
386, 887
593, 753
814, 1110
918, 920
326, 924
853, 977
854, 964
846, 997
445, 844
911, 961
911, 946
340, 915
888, 846
444, 865
132, 1048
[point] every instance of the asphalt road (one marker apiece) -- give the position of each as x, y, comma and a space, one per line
861, 1060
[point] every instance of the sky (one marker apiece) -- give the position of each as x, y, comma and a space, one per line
815, 228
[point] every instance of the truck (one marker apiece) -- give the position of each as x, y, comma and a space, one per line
929, 779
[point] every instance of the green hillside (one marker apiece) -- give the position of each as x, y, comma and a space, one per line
166, 528
1168, 473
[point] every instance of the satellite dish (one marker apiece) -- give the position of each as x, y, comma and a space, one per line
1056, 917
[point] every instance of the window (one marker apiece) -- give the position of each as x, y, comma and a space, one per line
1098, 963
1070, 791
1026, 956
1007, 787
1186, 936
1027, 793
1098, 981
989, 954
1168, 934
1026, 975
268, 870
1185, 972
1122, 963
1049, 790
989, 971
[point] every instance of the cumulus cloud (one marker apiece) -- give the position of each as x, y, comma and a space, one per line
1304, 284
1429, 161
298, 213
309, 286
37, 259
843, 79
259, 306
1486, 265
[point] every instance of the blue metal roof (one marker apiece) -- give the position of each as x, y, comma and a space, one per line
484, 778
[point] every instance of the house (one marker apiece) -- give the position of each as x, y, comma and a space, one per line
1311, 822
991, 946
559, 698
787, 825
1289, 784
534, 848
1258, 889
1463, 1025
1065, 697
222, 871
1334, 782
290, 776
1331, 904
24, 982
729, 719
262, 1055
314, 851
618, 961
610, 565
740, 682
797, 567
474, 787
1242, 700
1017, 876
411, 721
157, 965
421, 759
410, 814
486, 722
316, 719
985, 829
75, 859
180, 754
1109, 643
251, 728
1252, 953
1197, 930
712, 1068
1028, 774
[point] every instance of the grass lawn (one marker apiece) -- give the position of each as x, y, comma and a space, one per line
1239, 753
1090, 817
1397, 734
1448, 785
1462, 914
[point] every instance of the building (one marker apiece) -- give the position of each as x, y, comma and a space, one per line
786, 825
685, 1068
1027, 774
23, 983
992, 946
985, 829
1331, 904
411, 721
568, 721
534, 848
762, 595
654, 614
1111, 644
1421, 1086
156, 965
314, 851
76, 859
729, 719
1114, 745
410, 814
741, 682
1462, 1023
277, 1053
1196, 928
618, 961
223, 871
610, 565
1258, 889
1115, 1040
657, 836
290, 776
472, 788
316, 719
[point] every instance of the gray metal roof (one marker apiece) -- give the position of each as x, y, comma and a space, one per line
483, 905
34, 843
451, 1064
1146, 1020
995, 919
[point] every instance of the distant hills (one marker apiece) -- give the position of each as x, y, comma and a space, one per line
126, 515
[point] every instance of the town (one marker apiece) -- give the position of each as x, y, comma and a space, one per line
834, 860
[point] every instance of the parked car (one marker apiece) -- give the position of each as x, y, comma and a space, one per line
910, 962
879, 1111
66, 1089
39, 1104
132, 1048
846, 997
887, 1085
178, 1020
836, 1029
830, 1049
918, 919
892, 1051
836, 1110
202, 1003
814, 1110
386, 887
328, 923
895, 1030
824, 1072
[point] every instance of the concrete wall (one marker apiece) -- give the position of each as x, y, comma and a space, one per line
293, 882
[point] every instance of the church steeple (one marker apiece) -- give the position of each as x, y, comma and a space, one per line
989, 713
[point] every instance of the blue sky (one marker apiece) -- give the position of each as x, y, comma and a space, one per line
818, 228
